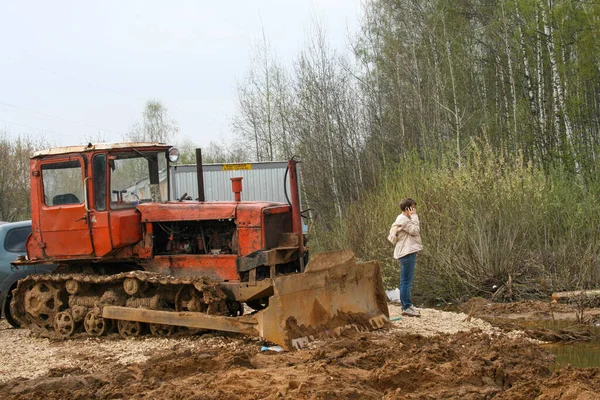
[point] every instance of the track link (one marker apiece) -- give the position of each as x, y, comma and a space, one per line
64, 305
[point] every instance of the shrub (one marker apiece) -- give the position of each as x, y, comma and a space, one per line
495, 227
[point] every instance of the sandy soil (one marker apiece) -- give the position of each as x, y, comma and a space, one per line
440, 355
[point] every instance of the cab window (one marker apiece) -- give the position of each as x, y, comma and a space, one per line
62, 183
135, 178
99, 168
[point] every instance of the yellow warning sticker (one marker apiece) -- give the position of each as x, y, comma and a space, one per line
236, 167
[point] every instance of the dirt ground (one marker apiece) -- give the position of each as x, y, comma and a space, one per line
440, 355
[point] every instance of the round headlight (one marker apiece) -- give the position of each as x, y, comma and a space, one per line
173, 155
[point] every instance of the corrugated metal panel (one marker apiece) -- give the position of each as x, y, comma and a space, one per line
262, 182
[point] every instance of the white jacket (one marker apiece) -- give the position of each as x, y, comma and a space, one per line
405, 233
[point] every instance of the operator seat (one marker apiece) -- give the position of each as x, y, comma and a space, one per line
67, 198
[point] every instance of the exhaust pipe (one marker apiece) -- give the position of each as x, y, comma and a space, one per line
200, 175
296, 211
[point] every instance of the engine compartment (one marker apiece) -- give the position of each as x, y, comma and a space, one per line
195, 237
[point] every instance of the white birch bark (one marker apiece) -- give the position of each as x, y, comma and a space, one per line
456, 111
540, 80
557, 87
505, 104
526, 67
511, 77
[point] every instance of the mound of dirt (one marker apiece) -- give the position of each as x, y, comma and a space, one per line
466, 365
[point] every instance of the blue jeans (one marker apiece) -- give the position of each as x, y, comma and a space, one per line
407, 275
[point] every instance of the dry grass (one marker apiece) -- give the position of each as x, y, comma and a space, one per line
493, 228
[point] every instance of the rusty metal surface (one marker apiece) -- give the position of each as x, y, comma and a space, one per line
329, 259
186, 211
296, 208
244, 324
324, 301
221, 267
99, 146
276, 256
245, 291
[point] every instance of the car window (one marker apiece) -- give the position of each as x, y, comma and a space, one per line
16, 238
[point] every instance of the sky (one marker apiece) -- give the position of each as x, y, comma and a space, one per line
73, 71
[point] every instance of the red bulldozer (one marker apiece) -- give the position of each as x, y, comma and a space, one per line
132, 260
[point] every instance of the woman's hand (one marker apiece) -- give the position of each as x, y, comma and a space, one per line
411, 211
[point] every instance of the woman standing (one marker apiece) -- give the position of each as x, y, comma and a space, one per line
406, 235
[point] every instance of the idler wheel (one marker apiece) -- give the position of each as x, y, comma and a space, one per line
64, 323
94, 324
129, 329
162, 330
43, 302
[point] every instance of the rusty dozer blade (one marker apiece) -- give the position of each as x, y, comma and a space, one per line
333, 295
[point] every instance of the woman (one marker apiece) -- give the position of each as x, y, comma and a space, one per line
406, 235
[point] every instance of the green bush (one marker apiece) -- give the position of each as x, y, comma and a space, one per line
493, 227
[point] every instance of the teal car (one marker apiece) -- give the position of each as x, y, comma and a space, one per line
13, 237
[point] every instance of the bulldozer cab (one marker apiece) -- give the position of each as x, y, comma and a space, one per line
84, 197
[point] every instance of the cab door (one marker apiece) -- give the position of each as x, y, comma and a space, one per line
64, 218
100, 214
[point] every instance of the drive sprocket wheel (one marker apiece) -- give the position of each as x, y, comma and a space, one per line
43, 302
129, 329
93, 322
64, 324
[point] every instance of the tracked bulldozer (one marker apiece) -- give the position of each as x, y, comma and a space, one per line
131, 260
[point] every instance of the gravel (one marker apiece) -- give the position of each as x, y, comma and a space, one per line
435, 322
27, 356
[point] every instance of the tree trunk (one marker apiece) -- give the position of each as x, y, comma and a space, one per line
511, 77
557, 87
456, 112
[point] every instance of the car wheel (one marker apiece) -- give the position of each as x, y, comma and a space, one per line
6, 310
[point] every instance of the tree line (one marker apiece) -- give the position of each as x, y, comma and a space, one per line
429, 76
480, 109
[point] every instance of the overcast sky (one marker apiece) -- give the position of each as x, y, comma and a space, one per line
75, 70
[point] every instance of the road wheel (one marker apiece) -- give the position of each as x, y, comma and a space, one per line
129, 329
64, 323
94, 324
162, 330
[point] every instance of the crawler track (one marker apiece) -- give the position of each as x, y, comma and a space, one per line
63, 305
